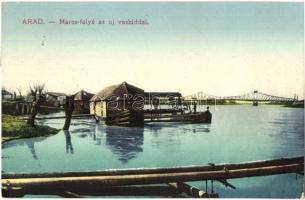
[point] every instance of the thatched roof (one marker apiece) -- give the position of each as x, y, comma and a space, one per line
117, 91
83, 96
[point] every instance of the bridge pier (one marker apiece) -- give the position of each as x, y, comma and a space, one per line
255, 103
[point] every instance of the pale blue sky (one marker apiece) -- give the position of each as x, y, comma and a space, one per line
219, 48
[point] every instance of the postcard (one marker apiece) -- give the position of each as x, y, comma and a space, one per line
153, 99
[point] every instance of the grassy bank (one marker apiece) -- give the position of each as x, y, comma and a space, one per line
14, 128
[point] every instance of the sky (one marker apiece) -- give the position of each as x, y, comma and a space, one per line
219, 48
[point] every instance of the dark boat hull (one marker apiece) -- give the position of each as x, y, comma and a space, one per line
202, 117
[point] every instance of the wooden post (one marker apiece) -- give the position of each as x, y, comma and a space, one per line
22, 109
69, 107
227, 184
17, 108
206, 185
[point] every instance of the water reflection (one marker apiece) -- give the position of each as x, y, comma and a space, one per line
69, 146
124, 142
187, 128
30, 143
287, 129
97, 136
31, 146
199, 130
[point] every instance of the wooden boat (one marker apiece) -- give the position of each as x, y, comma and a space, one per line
200, 117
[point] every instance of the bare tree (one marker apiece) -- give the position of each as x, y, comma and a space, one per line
69, 107
38, 94
19, 89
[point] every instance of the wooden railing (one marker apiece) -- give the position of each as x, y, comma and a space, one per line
85, 182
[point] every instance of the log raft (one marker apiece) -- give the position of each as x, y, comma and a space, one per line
119, 178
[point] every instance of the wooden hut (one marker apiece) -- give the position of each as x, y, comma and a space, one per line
120, 104
56, 99
81, 102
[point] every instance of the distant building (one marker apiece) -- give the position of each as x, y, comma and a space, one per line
6, 94
81, 102
55, 99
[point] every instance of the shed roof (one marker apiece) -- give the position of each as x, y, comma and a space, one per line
118, 90
83, 95
56, 94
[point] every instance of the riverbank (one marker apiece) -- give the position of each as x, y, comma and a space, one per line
14, 128
294, 105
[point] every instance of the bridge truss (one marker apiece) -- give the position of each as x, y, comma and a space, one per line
252, 96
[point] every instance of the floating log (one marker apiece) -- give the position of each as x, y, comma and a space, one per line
119, 180
189, 190
218, 167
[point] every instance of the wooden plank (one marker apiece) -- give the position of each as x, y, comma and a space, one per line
214, 167
119, 180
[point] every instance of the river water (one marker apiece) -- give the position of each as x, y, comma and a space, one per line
237, 133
